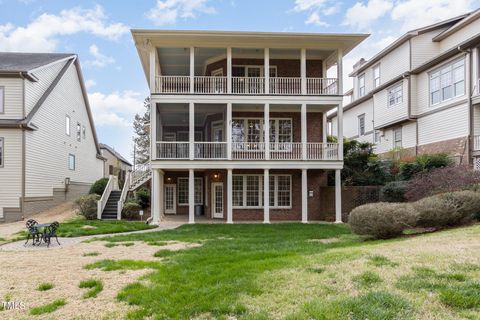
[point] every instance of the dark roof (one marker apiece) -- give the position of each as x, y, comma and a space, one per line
115, 153
24, 62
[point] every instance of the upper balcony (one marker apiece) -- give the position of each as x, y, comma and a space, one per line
243, 63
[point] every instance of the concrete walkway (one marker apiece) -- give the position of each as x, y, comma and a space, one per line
68, 242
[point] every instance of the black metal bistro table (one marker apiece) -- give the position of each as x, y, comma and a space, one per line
43, 226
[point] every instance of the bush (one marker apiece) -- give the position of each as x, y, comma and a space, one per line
143, 197
130, 209
87, 206
423, 163
382, 220
99, 186
441, 180
447, 209
394, 191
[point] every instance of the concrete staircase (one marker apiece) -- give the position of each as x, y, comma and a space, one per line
110, 211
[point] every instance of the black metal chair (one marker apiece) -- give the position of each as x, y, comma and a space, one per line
33, 232
51, 231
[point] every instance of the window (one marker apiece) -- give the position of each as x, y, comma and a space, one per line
2, 99
110, 169
84, 132
395, 95
376, 76
361, 125
79, 132
377, 137
248, 191
397, 138
67, 125
71, 162
182, 185
447, 82
2, 153
280, 132
361, 85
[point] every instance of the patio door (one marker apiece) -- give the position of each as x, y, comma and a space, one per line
217, 200
170, 198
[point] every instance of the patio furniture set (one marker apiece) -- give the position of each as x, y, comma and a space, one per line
41, 232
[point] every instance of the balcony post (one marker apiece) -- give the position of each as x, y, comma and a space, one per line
340, 130
192, 69
191, 130
266, 130
266, 196
229, 131
191, 196
161, 206
303, 129
303, 69
153, 68
266, 69
229, 70
340, 72
304, 196
156, 190
338, 196
324, 128
229, 196
153, 130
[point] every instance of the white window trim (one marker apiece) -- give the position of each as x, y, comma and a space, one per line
2, 96
438, 69
262, 69
178, 191
72, 156
84, 132
401, 137
68, 125
377, 66
260, 192
217, 72
2, 147
395, 86
262, 131
79, 132
364, 88
361, 116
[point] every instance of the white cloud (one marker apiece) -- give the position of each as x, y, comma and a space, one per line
41, 35
116, 109
362, 15
315, 9
90, 83
169, 11
314, 18
100, 60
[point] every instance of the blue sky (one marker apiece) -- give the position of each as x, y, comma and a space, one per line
98, 31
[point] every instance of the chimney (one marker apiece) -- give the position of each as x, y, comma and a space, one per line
359, 63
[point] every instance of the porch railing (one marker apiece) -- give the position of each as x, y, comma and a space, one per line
286, 151
211, 85
322, 151
248, 85
248, 150
285, 85
322, 86
476, 143
173, 84
210, 150
173, 150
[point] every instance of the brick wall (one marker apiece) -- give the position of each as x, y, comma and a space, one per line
457, 148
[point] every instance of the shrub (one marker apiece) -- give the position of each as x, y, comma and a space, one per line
423, 163
382, 220
87, 206
448, 209
143, 197
441, 180
394, 191
406, 170
99, 186
130, 209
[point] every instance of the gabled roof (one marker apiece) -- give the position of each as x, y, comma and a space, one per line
115, 153
24, 62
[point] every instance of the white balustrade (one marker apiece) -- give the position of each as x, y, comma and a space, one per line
248, 150
286, 151
112, 185
173, 150
210, 150
173, 84
141, 173
211, 85
285, 85
322, 86
322, 151
248, 85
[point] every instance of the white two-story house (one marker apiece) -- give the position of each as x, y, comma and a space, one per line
238, 129
48, 147
420, 94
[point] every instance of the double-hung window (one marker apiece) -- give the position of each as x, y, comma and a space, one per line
248, 191
397, 138
71, 162
2, 152
361, 125
447, 82
182, 186
376, 76
2, 99
395, 95
361, 85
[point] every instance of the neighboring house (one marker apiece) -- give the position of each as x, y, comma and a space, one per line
115, 163
48, 145
420, 94
241, 116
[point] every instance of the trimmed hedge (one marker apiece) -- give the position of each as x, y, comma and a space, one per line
130, 209
87, 206
99, 186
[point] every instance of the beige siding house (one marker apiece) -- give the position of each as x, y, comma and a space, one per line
48, 145
115, 163
420, 94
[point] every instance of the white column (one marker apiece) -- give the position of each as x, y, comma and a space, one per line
229, 70
153, 130
192, 69
266, 196
324, 69
229, 196
324, 128
161, 194
303, 69
338, 196
340, 130
229, 131
340, 71
303, 128
152, 71
266, 130
156, 201
304, 196
266, 69
191, 196
191, 130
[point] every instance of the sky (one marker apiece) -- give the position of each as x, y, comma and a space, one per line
99, 32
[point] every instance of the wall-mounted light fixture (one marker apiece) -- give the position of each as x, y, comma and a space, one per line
67, 183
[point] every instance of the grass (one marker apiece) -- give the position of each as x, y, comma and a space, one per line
78, 226
48, 308
91, 254
95, 286
125, 244
45, 286
282, 271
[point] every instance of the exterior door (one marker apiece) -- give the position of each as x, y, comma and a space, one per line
170, 198
217, 200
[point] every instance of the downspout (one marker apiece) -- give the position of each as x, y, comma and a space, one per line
468, 148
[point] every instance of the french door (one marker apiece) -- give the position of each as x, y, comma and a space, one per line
170, 199
217, 200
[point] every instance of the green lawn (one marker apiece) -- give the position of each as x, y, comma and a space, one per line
294, 271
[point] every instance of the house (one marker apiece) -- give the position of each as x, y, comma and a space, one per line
421, 93
240, 115
48, 145
115, 163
